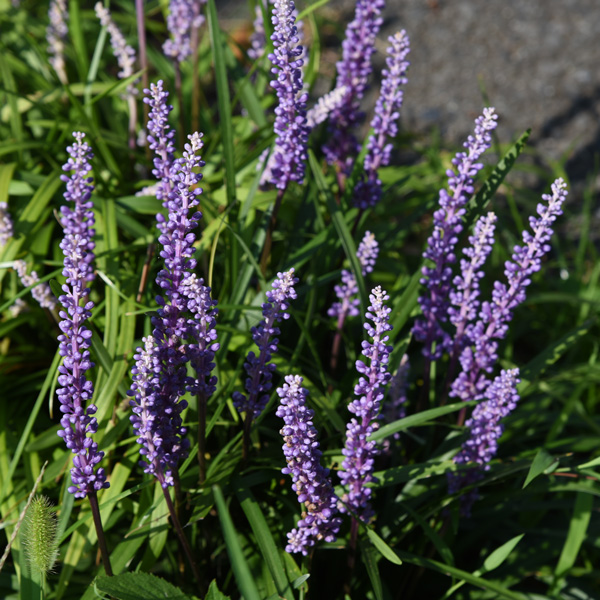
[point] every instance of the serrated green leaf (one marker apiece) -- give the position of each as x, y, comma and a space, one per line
214, 593
133, 586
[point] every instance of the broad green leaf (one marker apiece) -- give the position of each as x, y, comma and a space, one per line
499, 555
134, 586
578, 526
383, 548
540, 463
214, 593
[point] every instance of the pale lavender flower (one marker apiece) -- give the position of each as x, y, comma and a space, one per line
6, 224
353, 73
367, 252
357, 466
478, 359
465, 294
325, 105
311, 480
160, 139
259, 370
287, 161
184, 15
367, 191
19, 307
123, 52
75, 389
485, 429
41, 292
258, 38
56, 33
447, 225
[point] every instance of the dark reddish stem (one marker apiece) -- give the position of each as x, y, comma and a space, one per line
93, 497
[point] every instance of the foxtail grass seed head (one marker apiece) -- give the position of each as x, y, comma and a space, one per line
40, 535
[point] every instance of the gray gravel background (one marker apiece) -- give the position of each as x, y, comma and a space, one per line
538, 60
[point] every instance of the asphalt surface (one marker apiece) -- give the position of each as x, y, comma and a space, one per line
537, 60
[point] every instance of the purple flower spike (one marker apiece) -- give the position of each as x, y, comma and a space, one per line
259, 371
353, 73
6, 224
184, 15
357, 467
447, 226
288, 159
160, 139
367, 252
368, 191
311, 480
41, 292
465, 295
75, 389
479, 357
258, 37
56, 33
123, 52
485, 429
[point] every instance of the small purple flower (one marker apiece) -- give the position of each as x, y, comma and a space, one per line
325, 105
287, 162
478, 359
447, 225
123, 52
184, 15
367, 252
368, 191
357, 467
485, 429
75, 389
56, 33
41, 292
258, 37
6, 224
258, 369
465, 294
311, 481
353, 73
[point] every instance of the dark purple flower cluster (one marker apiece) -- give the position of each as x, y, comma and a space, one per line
447, 225
368, 191
75, 389
478, 358
311, 480
184, 15
353, 73
258, 369
485, 429
367, 252
287, 162
183, 329
357, 466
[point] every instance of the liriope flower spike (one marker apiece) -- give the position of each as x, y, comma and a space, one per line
75, 389
325, 105
41, 292
367, 253
287, 161
368, 191
184, 15
465, 294
160, 139
6, 224
311, 480
353, 73
478, 359
56, 32
447, 225
357, 467
485, 429
258, 368
123, 52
